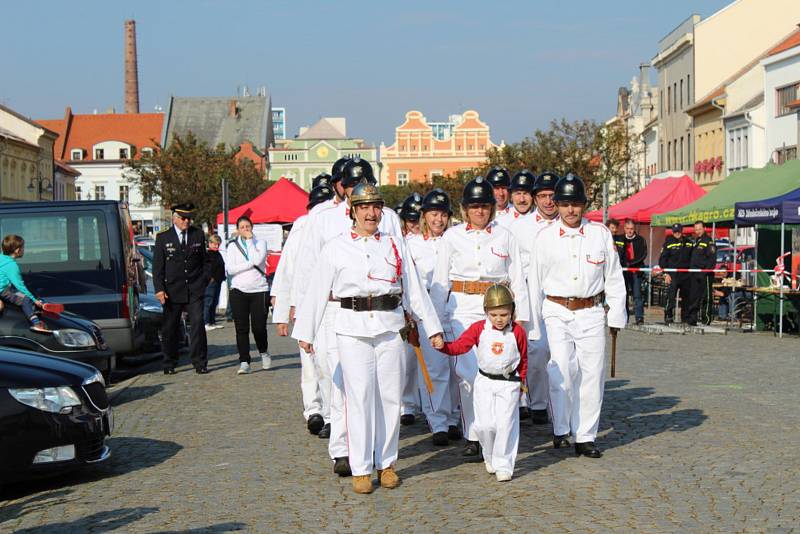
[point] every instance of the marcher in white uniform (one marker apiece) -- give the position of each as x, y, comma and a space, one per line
410, 216
372, 276
575, 270
322, 227
473, 256
501, 346
546, 213
441, 406
500, 180
313, 386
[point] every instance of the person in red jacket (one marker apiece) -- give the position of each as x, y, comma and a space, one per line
502, 350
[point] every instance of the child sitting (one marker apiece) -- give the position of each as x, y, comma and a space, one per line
502, 351
12, 287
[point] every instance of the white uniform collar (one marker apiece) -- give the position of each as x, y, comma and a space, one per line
564, 230
469, 228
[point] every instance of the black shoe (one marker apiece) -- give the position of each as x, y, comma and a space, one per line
201, 370
539, 417
472, 452
341, 466
440, 439
587, 449
454, 433
170, 371
668, 321
315, 423
561, 442
325, 431
691, 323
639, 321
524, 413
407, 419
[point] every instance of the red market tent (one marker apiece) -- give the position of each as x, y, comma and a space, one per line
282, 203
660, 196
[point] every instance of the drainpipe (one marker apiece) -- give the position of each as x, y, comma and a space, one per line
724, 142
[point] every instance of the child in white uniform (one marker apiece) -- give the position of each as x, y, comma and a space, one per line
502, 351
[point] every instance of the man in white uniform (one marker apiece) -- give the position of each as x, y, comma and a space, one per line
500, 179
316, 404
322, 227
574, 271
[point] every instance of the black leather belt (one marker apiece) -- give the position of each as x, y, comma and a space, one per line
512, 378
377, 303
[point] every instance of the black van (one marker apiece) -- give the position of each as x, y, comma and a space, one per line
81, 254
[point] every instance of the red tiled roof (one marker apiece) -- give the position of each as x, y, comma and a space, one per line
66, 169
85, 131
790, 42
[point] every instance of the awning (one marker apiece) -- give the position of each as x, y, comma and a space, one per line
282, 203
660, 195
775, 210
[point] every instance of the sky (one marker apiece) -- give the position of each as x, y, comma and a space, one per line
520, 64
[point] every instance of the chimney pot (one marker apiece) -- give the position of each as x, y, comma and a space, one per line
232, 110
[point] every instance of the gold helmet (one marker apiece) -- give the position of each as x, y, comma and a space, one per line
365, 193
498, 295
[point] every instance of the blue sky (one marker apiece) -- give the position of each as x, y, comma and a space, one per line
519, 63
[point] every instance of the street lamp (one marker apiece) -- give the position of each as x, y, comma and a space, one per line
42, 184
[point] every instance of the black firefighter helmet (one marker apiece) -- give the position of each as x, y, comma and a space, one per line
355, 170
437, 200
498, 177
546, 180
523, 181
412, 207
570, 188
319, 194
478, 191
337, 168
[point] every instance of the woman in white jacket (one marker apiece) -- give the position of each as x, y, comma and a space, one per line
245, 262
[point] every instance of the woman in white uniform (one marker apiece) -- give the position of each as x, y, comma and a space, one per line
440, 406
473, 256
373, 278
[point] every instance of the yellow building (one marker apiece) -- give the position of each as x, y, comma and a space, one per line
709, 140
27, 166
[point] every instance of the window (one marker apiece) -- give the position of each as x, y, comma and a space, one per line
78, 192
661, 155
674, 96
688, 89
738, 149
436, 173
783, 97
76, 241
99, 153
669, 97
669, 151
661, 103
402, 177
681, 97
76, 154
123, 153
124, 193
147, 151
99, 192
681, 159
675, 152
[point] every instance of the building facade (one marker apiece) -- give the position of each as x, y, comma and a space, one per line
675, 65
782, 100
279, 122
98, 146
422, 150
28, 161
314, 150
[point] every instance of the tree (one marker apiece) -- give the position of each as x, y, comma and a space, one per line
578, 147
191, 171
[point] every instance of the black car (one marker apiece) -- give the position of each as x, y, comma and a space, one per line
81, 254
54, 415
72, 336
151, 312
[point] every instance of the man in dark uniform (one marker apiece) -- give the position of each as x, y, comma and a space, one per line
704, 256
675, 254
613, 227
180, 279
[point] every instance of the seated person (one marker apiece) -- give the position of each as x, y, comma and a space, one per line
12, 287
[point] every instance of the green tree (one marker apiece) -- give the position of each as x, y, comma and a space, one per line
191, 171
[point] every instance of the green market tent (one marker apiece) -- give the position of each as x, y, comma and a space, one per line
748, 184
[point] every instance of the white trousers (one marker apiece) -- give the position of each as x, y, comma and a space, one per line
326, 351
310, 383
373, 383
410, 399
437, 406
576, 372
538, 387
497, 421
466, 368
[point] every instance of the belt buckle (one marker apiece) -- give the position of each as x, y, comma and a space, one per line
369, 303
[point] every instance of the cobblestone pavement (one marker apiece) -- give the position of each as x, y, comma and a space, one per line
700, 434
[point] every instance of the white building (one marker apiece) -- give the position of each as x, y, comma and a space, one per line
781, 99
99, 147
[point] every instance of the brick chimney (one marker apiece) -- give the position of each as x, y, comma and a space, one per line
131, 69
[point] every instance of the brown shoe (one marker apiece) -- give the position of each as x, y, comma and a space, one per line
362, 484
388, 478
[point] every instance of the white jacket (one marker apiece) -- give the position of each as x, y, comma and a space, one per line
242, 267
